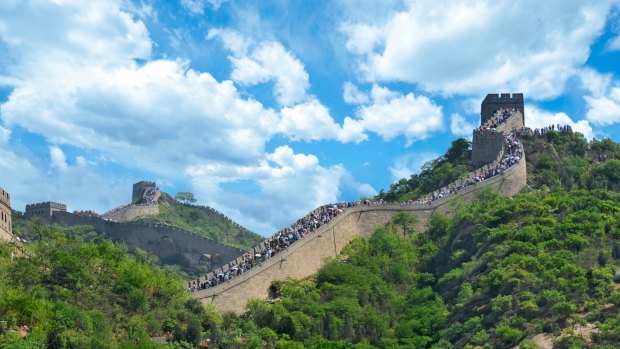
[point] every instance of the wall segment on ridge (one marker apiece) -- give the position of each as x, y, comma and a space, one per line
131, 212
170, 244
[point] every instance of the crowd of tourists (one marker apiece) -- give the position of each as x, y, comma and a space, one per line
149, 196
513, 152
501, 116
272, 246
542, 132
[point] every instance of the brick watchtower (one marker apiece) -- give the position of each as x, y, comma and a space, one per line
44, 209
494, 101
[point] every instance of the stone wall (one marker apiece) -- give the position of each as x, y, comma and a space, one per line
170, 244
44, 209
486, 146
6, 224
493, 101
131, 212
306, 256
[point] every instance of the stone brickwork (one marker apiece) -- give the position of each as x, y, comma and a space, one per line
44, 209
131, 212
487, 146
6, 224
170, 244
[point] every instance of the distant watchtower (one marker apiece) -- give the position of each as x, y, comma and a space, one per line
138, 190
494, 101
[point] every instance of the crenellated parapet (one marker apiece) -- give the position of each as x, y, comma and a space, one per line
44, 209
495, 101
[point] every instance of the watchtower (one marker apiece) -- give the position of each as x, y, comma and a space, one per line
494, 101
138, 190
6, 228
44, 209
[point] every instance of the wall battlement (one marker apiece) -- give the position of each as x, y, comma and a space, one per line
494, 101
44, 209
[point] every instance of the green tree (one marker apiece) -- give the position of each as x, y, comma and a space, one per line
185, 197
405, 220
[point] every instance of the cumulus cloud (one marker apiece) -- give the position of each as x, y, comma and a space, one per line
538, 118
289, 185
603, 103
605, 109
311, 121
265, 61
58, 160
29, 180
391, 114
459, 126
76, 83
161, 113
450, 50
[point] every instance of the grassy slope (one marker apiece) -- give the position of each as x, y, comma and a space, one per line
202, 220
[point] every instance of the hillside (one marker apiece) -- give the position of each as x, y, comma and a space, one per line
501, 271
204, 221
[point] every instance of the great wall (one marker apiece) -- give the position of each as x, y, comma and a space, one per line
171, 244
306, 256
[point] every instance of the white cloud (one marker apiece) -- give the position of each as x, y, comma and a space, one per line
290, 185
58, 160
353, 95
408, 164
198, 6
76, 84
311, 121
538, 118
159, 116
30, 180
391, 114
267, 61
603, 103
454, 47
459, 126
604, 110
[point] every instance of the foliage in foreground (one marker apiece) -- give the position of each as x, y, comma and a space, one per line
68, 293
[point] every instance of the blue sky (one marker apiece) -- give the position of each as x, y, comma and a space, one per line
267, 109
